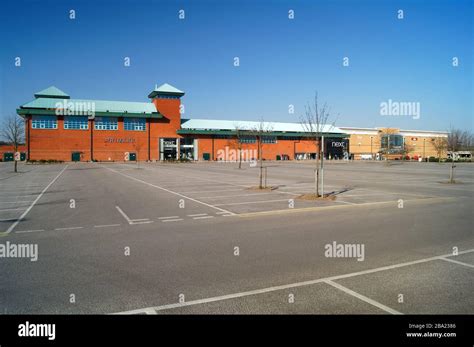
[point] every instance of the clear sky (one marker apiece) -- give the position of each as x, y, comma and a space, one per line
282, 61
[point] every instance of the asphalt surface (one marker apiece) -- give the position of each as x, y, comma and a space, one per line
202, 239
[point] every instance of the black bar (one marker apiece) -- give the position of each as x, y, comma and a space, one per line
314, 330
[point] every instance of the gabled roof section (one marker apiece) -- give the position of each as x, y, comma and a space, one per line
165, 89
52, 92
98, 107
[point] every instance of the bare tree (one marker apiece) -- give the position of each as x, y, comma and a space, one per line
315, 122
137, 146
260, 131
239, 132
440, 145
13, 130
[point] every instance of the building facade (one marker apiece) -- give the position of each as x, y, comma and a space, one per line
58, 127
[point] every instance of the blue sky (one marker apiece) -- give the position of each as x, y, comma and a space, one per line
282, 61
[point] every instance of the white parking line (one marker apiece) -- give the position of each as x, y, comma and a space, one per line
167, 190
28, 231
107, 225
12, 209
288, 286
345, 202
10, 229
133, 221
232, 196
250, 202
69, 228
15, 202
204, 217
197, 215
458, 262
362, 297
172, 220
170, 217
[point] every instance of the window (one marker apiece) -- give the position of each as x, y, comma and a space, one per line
106, 123
248, 139
44, 122
218, 136
168, 97
137, 124
76, 123
392, 143
269, 139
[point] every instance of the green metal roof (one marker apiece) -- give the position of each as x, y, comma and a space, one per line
52, 92
85, 106
165, 89
250, 132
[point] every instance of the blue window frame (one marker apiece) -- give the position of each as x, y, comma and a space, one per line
44, 122
106, 123
168, 96
76, 123
248, 139
269, 139
134, 124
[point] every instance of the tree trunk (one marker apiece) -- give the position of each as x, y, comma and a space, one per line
451, 172
316, 176
16, 165
240, 158
261, 165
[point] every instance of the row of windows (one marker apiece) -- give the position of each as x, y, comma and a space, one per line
253, 139
82, 123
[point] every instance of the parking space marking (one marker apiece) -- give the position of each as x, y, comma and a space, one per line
212, 191
287, 286
457, 262
133, 221
170, 217
15, 202
12, 209
197, 215
107, 225
172, 220
345, 202
231, 196
362, 297
10, 229
250, 202
69, 228
203, 217
167, 190
330, 207
28, 231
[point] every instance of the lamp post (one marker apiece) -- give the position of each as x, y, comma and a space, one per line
424, 146
371, 151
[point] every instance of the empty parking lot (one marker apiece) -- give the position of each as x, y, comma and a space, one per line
199, 238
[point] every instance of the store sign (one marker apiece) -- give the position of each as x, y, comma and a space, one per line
119, 140
337, 144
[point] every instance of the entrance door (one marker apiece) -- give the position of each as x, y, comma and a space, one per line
169, 148
76, 156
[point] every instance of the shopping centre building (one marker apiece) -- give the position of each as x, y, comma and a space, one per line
58, 127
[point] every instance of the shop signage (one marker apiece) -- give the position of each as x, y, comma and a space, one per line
119, 140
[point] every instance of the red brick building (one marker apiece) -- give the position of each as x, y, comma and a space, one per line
61, 128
